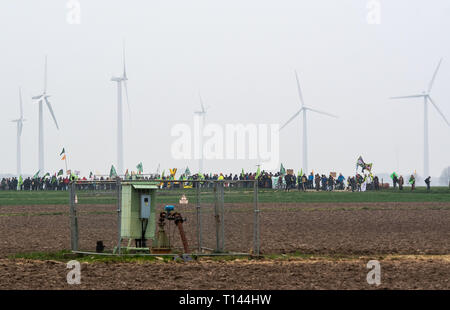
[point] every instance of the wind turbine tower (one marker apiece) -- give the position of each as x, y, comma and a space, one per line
427, 98
41, 99
202, 114
19, 136
304, 109
119, 80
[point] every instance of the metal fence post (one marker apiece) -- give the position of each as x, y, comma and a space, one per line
73, 218
222, 216
199, 220
256, 219
217, 216
119, 213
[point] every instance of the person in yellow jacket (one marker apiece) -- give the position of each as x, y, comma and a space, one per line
221, 178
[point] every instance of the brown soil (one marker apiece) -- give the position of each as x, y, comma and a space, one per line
396, 273
345, 228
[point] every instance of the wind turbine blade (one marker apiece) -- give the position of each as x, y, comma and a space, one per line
45, 75
440, 112
124, 61
37, 97
299, 90
290, 120
126, 95
434, 76
21, 104
412, 96
201, 103
51, 112
321, 112
19, 123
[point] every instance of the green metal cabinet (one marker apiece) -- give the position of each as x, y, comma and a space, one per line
131, 223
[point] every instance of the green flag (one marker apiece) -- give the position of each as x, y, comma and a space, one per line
140, 168
258, 172
242, 173
62, 152
162, 175
201, 176
90, 175
282, 170
46, 175
112, 172
60, 172
393, 174
36, 176
187, 172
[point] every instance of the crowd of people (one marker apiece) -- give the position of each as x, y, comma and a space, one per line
286, 181
34, 184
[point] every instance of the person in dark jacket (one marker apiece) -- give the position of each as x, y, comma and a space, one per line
400, 182
317, 180
428, 182
330, 183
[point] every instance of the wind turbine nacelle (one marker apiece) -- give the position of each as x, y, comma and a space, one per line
116, 79
37, 97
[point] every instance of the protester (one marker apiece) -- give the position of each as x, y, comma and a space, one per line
412, 181
400, 182
428, 182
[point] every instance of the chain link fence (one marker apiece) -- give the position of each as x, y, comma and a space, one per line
218, 217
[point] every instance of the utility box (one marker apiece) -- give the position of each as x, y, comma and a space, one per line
145, 206
138, 210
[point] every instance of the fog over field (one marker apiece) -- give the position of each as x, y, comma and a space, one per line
241, 57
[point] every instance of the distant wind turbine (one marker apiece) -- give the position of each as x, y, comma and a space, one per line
426, 97
202, 114
41, 99
121, 79
19, 136
304, 109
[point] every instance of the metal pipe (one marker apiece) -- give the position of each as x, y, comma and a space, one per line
147, 254
183, 236
168, 181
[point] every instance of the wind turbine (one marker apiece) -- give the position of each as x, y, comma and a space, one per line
121, 79
41, 99
426, 97
19, 136
304, 109
201, 114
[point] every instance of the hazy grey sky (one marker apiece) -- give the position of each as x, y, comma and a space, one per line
241, 55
